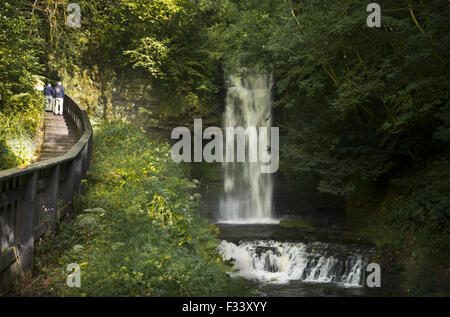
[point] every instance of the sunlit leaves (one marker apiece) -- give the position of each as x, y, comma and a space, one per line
152, 241
150, 55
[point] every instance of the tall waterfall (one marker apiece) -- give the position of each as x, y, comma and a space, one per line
247, 194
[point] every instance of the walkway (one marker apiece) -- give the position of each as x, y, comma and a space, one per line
60, 135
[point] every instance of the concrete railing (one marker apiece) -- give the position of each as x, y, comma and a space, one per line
33, 198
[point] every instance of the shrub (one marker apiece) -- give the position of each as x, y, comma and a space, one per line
20, 122
150, 239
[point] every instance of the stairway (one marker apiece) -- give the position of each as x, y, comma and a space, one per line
60, 135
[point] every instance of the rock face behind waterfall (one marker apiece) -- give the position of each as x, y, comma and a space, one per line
247, 194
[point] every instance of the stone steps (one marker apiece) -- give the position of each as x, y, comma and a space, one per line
59, 136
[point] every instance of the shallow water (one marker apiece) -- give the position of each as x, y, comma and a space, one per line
298, 262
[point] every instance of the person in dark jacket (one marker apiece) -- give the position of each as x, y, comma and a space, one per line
48, 93
59, 99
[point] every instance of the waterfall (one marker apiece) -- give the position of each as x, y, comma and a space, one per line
247, 196
279, 262
247, 199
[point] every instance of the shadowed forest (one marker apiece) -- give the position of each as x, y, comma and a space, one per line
363, 112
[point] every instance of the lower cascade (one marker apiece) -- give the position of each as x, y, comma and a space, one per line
279, 262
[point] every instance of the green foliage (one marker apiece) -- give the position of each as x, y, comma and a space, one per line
357, 105
355, 102
20, 106
150, 55
18, 51
142, 234
19, 124
430, 275
164, 42
421, 208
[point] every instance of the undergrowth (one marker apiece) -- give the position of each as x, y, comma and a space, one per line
139, 232
19, 124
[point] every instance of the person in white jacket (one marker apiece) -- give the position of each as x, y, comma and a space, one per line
59, 99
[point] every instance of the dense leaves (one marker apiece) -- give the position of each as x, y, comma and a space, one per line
18, 51
362, 100
162, 42
141, 234
20, 106
357, 105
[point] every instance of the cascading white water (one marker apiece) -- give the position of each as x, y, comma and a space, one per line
279, 262
247, 199
247, 194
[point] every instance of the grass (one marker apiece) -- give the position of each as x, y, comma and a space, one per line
137, 232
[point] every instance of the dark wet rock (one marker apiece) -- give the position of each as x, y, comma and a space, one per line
261, 249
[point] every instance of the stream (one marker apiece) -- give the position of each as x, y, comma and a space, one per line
320, 257
292, 262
